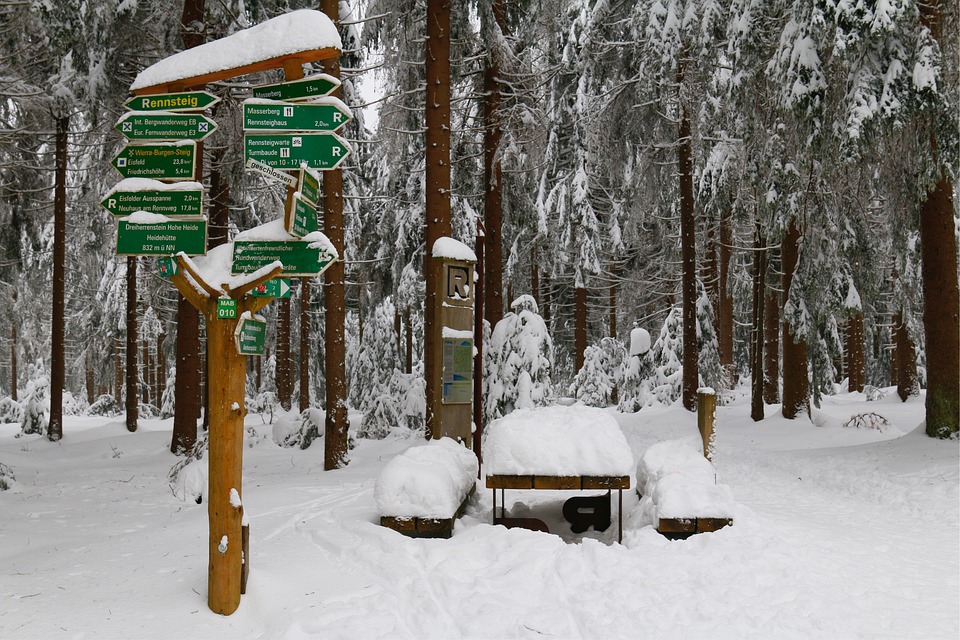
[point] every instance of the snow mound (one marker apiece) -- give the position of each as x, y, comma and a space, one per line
562, 441
430, 481
676, 481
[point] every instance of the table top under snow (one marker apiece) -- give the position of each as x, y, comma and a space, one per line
556, 441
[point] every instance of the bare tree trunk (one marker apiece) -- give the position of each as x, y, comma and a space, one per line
117, 371
478, 344
856, 357
493, 175
13, 353
534, 275
408, 328
906, 361
145, 376
771, 338
725, 315
335, 440
580, 326
88, 378
283, 354
132, 404
795, 388
688, 250
304, 344
398, 334
161, 374
437, 56
57, 356
757, 332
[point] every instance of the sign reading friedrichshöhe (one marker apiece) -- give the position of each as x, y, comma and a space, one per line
308, 186
280, 116
298, 258
140, 125
319, 84
167, 203
288, 151
160, 161
184, 101
303, 218
272, 288
162, 239
249, 336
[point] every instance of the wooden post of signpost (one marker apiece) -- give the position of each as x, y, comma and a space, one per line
706, 415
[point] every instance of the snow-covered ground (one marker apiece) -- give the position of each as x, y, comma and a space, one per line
839, 533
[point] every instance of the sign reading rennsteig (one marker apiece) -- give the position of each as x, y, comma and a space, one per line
183, 101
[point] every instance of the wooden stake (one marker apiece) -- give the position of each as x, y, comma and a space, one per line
706, 414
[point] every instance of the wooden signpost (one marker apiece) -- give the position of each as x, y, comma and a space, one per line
231, 325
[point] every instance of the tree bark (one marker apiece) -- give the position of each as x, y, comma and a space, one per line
57, 356
13, 352
335, 440
117, 371
304, 344
534, 275
771, 337
580, 326
795, 386
88, 378
757, 332
725, 314
493, 176
161, 375
283, 354
856, 356
437, 67
688, 250
146, 376
906, 361
478, 344
132, 403
408, 329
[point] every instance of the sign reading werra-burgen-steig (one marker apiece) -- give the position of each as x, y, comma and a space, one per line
162, 238
250, 336
288, 151
173, 202
183, 101
319, 84
145, 125
160, 161
270, 115
299, 257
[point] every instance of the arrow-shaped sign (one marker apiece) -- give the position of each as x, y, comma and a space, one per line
273, 288
160, 125
160, 161
184, 101
288, 151
270, 115
250, 336
319, 84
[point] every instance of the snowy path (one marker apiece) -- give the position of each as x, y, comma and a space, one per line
839, 534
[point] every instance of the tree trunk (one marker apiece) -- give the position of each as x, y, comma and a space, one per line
408, 328
398, 335
304, 344
757, 332
478, 344
88, 379
132, 404
688, 250
856, 357
161, 375
771, 337
795, 387
283, 354
145, 376
725, 315
493, 175
117, 371
335, 440
534, 275
580, 326
906, 361
545, 308
437, 57
13, 351
57, 356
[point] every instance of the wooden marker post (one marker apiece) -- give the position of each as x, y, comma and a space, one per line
706, 415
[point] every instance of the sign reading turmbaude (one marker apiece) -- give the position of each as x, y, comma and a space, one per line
299, 258
141, 194
164, 125
288, 151
160, 161
184, 101
270, 115
319, 84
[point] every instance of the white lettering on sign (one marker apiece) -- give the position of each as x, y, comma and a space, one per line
337, 116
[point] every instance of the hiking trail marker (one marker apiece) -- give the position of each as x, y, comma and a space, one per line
167, 202
313, 86
162, 238
275, 288
271, 115
250, 335
299, 257
182, 101
159, 160
288, 151
164, 125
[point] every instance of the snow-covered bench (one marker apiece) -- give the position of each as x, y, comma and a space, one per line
679, 491
422, 491
560, 447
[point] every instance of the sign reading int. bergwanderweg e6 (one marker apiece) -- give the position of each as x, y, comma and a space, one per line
298, 258
288, 151
303, 218
281, 116
162, 239
160, 161
141, 125
250, 336
173, 202
319, 84
184, 101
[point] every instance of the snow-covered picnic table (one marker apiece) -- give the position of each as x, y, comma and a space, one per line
558, 448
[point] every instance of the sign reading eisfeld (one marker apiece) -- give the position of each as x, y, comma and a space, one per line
271, 115
162, 238
160, 161
289, 151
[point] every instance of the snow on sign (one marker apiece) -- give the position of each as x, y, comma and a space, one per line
299, 258
271, 115
319, 84
140, 125
160, 161
288, 151
184, 101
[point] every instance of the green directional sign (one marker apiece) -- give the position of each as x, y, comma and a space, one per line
139, 125
280, 116
308, 186
184, 101
167, 266
169, 203
319, 84
298, 258
162, 239
303, 218
272, 288
288, 151
160, 161
226, 308
250, 336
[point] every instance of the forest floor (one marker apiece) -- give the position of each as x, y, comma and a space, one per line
839, 533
